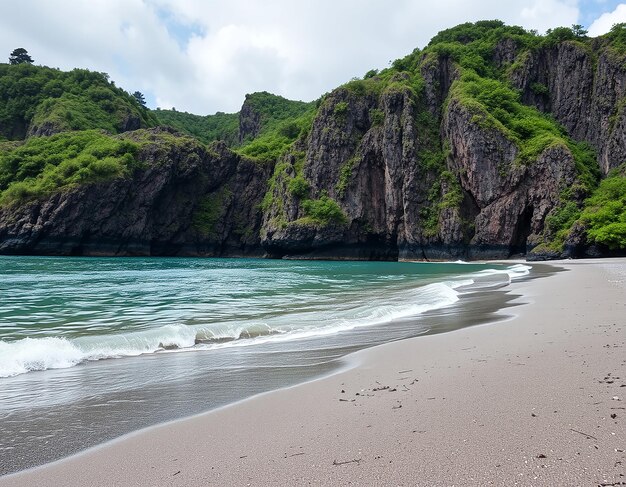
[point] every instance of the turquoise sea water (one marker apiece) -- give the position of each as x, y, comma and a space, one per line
92, 348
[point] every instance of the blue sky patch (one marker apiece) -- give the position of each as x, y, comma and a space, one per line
180, 31
590, 10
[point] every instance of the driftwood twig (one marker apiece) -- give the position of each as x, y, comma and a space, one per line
356, 460
584, 434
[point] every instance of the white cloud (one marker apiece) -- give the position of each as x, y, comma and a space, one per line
604, 23
545, 14
232, 47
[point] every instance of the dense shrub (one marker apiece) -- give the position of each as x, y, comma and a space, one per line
605, 212
44, 165
323, 211
299, 187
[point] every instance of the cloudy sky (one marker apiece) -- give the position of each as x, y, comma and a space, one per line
203, 56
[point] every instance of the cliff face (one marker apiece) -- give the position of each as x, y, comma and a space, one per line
485, 205
436, 158
186, 200
584, 91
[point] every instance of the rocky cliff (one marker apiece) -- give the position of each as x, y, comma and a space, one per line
584, 88
185, 199
486, 144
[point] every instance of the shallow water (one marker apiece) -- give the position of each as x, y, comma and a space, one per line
91, 349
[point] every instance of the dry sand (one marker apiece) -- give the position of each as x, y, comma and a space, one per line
538, 399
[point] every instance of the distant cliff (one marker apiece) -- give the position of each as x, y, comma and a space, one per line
490, 142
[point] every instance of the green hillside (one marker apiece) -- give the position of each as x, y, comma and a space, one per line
208, 128
52, 101
279, 123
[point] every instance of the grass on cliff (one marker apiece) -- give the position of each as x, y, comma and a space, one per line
44, 165
496, 105
483, 87
288, 181
616, 38
281, 123
275, 141
321, 212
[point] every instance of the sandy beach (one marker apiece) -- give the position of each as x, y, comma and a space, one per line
538, 398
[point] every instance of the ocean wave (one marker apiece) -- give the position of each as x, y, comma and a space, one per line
36, 354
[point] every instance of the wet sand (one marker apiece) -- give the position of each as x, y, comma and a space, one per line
536, 399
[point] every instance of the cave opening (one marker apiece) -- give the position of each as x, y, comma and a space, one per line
521, 233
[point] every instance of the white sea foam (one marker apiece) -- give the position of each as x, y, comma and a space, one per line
31, 354
513, 272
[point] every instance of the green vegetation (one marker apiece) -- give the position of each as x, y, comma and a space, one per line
162, 144
445, 189
539, 89
453, 196
482, 88
221, 126
323, 211
559, 222
496, 105
562, 34
377, 117
368, 86
42, 166
286, 177
289, 179
345, 174
341, 109
617, 38
273, 142
604, 213
72, 112
299, 187
274, 110
280, 175
586, 165
75, 100
281, 122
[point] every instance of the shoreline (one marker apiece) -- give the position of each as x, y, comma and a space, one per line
390, 428
170, 386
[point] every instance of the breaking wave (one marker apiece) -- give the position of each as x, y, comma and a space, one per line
57, 352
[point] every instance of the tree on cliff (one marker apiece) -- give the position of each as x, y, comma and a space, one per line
20, 56
138, 95
579, 31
